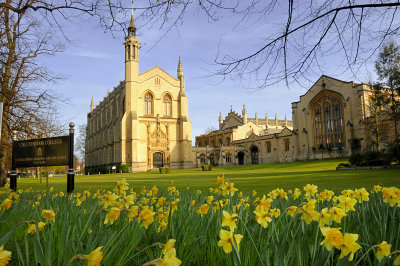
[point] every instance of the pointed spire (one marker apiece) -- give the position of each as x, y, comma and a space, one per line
180, 69
244, 113
266, 120
286, 123
132, 28
231, 108
91, 106
256, 119
220, 120
220, 116
276, 120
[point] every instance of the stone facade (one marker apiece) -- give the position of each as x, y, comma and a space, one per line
143, 122
329, 117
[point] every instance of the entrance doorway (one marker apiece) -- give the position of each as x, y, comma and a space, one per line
254, 155
158, 160
240, 158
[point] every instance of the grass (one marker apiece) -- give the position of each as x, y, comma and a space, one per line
260, 177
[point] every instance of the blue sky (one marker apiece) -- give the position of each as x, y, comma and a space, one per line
93, 64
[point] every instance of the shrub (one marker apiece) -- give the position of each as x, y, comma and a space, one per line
206, 167
164, 170
355, 159
344, 165
124, 168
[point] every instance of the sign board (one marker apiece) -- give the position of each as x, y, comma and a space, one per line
41, 152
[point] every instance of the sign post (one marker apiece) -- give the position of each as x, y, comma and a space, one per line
44, 152
13, 174
71, 172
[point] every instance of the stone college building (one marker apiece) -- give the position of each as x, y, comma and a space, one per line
144, 123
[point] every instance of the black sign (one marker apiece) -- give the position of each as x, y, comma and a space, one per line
41, 152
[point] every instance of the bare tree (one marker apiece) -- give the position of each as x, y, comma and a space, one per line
294, 52
80, 143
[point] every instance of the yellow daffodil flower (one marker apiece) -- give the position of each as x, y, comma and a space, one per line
112, 215
347, 203
383, 250
5, 256
169, 259
229, 220
49, 215
333, 238
227, 240
349, 245
262, 216
6, 204
291, 210
362, 195
146, 216
95, 257
169, 245
275, 212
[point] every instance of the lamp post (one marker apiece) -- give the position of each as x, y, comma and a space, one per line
71, 172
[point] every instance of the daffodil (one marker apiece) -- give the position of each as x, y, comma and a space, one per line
95, 257
377, 188
49, 215
333, 238
396, 261
337, 214
310, 190
6, 204
146, 216
291, 210
169, 259
262, 216
133, 212
203, 209
220, 180
349, 245
347, 203
266, 202
169, 245
5, 256
383, 250
112, 215
229, 220
209, 199
227, 240
296, 193
361, 195
229, 189
325, 217
275, 212
32, 228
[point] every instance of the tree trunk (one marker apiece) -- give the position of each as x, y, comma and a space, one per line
4, 144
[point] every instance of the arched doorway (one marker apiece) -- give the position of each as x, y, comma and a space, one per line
240, 158
254, 155
158, 159
212, 159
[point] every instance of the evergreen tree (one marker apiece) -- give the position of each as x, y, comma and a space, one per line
388, 69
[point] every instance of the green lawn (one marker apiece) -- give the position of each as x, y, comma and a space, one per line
262, 177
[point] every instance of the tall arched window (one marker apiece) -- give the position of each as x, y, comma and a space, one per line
328, 120
148, 104
167, 105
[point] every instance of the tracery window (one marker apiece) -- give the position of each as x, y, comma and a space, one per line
148, 104
328, 120
167, 105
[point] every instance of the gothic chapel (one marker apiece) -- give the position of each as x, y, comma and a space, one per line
144, 121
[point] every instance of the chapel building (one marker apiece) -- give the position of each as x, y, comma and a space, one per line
332, 119
143, 122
